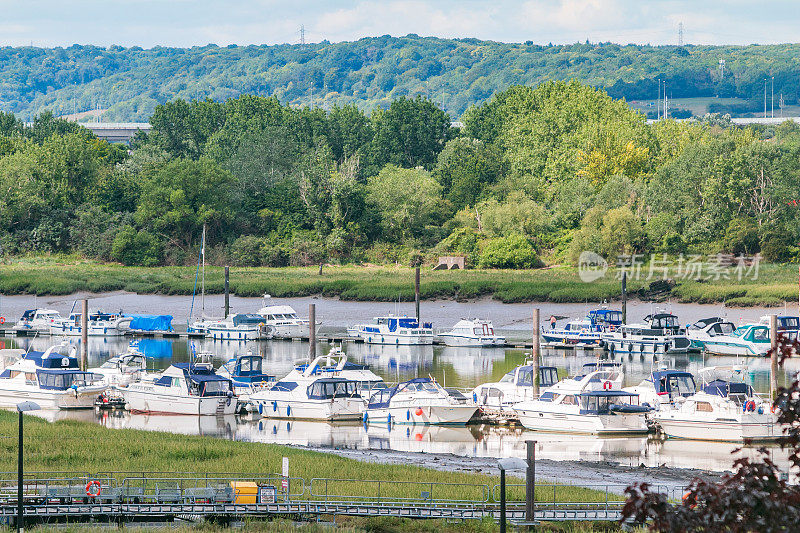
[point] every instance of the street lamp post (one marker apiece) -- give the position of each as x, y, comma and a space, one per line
21, 408
509, 463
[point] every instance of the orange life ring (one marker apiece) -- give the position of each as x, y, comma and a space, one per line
2, 320
607, 385
93, 488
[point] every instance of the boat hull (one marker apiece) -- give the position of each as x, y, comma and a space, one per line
439, 415
398, 340
727, 431
233, 335
309, 409
289, 331
69, 399
472, 342
616, 424
150, 402
727, 348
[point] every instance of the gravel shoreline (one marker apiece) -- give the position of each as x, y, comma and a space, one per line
581, 473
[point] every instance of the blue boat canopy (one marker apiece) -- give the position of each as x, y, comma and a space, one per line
151, 322
53, 362
722, 388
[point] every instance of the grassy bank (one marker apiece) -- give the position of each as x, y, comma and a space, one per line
72, 446
46, 276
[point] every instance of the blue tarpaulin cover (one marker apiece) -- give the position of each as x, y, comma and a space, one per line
151, 322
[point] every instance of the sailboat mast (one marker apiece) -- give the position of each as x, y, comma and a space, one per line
203, 283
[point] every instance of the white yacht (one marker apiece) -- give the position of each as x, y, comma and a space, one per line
592, 404
335, 364
747, 340
305, 394
788, 326
706, 329
51, 379
585, 330
124, 369
474, 333
660, 333
284, 320
238, 327
37, 321
664, 388
390, 329
419, 401
724, 409
99, 324
246, 373
183, 388
516, 386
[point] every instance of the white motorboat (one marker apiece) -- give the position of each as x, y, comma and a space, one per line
660, 333
724, 409
747, 340
664, 388
393, 330
516, 386
306, 394
283, 320
99, 324
472, 332
183, 388
246, 373
788, 326
583, 330
419, 401
51, 379
335, 364
124, 369
37, 321
238, 327
705, 329
593, 403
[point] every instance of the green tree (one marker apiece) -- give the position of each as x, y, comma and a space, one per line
409, 134
407, 199
465, 168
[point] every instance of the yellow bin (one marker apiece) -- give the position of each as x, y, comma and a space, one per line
244, 491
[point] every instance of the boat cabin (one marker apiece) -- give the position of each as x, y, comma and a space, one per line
196, 379
278, 312
673, 383
605, 317
247, 368
522, 376
753, 333
663, 322
330, 388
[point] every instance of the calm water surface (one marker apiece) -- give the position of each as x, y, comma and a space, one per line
460, 367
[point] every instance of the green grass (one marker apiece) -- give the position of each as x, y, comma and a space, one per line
776, 283
72, 446
345, 524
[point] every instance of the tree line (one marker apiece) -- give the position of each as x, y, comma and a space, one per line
372, 72
536, 175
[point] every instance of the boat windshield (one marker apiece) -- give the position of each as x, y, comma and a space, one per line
215, 388
425, 386
600, 404
683, 385
326, 390
58, 380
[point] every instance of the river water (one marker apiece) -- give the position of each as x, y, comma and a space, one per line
459, 367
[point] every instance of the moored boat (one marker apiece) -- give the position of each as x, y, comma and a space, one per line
516, 386
747, 340
183, 388
238, 327
99, 324
472, 333
283, 320
51, 379
664, 387
124, 369
419, 401
37, 321
398, 330
594, 404
658, 334
724, 409
706, 329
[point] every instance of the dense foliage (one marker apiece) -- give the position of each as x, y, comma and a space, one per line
536, 175
372, 72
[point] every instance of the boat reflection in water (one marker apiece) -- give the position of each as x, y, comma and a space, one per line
211, 426
301, 433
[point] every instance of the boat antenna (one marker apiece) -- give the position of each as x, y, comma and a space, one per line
194, 290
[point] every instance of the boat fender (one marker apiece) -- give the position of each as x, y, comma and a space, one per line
630, 348
418, 412
408, 414
474, 398
389, 420
365, 418
288, 410
93, 488
261, 408
274, 406
607, 385
761, 409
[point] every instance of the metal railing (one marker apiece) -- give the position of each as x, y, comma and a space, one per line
331, 489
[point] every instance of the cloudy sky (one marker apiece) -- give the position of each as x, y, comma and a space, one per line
148, 23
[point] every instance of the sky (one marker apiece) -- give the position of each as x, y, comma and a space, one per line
184, 23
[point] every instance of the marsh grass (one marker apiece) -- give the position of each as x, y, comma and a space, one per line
58, 276
72, 446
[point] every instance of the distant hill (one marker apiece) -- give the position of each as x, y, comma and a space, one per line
456, 73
